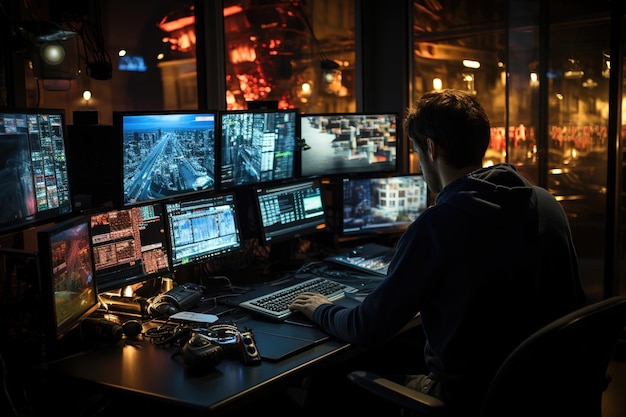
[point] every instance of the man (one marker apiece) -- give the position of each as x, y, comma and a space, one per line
488, 264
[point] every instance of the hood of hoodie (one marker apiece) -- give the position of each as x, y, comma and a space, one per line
491, 191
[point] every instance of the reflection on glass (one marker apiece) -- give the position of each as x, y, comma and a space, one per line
565, 149
298, 54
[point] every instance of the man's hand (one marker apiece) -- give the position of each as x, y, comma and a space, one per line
307, 302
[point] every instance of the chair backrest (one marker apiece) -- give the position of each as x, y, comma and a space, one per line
560, 370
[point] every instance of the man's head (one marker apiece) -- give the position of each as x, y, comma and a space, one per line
450, 131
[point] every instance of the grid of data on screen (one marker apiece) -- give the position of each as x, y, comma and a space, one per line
202, 227
290, 210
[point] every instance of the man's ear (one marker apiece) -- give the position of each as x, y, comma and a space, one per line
432, 149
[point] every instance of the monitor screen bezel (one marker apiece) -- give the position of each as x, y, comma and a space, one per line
381, 228
57, 331
222, 183
64, 207
270, 235
119, 128
110, 279
308, 145
179, 262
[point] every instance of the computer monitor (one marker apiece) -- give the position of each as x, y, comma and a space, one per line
341, 144
201, 227
34, 181
165, 154
382, 204
257, 146
289, 210
129, 245
69, 290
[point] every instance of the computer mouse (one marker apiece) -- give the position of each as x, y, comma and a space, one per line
132, 328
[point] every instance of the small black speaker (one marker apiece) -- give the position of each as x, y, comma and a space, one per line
94, 166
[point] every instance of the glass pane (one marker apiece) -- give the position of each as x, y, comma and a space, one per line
578, 103
523, 87
506, 81
462, 45
294, 54
575, 144
158, 70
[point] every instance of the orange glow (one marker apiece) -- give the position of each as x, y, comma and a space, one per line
187, 40
176, 24
231, 10
242, 54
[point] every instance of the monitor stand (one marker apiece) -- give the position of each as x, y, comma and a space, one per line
283, 257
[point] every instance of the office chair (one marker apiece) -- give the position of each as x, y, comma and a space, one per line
560, 370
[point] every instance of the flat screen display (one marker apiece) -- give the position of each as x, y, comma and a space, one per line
129, 245
34, 182
201, 227
257, 146
290, 210
382, 204
69, 289
166, 154
348, 143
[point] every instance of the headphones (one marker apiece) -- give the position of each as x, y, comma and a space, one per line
223, 334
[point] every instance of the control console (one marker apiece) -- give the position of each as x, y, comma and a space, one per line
201, 354
207, 347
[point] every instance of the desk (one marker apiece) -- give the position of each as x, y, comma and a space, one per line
139, 368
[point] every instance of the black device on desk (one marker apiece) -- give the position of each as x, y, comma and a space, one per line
120, 304
235, 342
371, 258
203, 348
180, 298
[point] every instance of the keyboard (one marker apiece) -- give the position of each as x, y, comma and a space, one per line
276, 304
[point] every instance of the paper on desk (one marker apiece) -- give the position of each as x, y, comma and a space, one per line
193, 316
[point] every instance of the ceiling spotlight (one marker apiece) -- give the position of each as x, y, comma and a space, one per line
52, 53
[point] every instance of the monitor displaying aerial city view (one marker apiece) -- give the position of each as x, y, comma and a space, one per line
165, 155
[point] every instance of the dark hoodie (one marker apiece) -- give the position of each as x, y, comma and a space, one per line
491, 262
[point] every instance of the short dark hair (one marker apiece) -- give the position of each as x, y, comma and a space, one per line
455, 120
